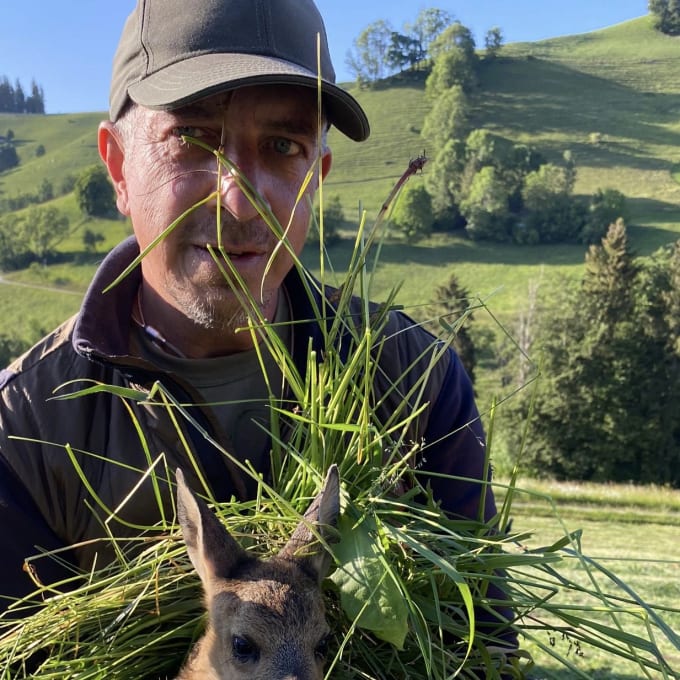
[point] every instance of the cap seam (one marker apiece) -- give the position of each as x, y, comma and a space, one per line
263, 23
146, 20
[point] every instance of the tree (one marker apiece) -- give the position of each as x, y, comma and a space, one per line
19, 98
451, 309
610, 272
14, 100
333, 220
368, 58
45, 191
13, 248
550, 215
8, 157
35, 102
455, 61
671, 298
666, 15
91, 239
428, 25
43, 229
486, 207
607, 403
605, 207
412, 215
442, 183
447, 119
67, 184
404, 51
94, 193
493, 41
454, 37
6, 95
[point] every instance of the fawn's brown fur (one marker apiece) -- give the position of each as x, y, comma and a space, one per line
266, 618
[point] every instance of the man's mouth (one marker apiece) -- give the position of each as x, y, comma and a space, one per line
233, 253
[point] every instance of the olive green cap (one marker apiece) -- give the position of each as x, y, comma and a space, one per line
176, 52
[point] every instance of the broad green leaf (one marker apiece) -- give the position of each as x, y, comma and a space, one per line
369, 593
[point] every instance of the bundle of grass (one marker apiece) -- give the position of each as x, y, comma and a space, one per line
409, 594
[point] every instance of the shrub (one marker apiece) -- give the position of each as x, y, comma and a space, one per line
412, 214
94, 193
8, 157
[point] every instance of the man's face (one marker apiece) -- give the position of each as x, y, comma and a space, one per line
271, 134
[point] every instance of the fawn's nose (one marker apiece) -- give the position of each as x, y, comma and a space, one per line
294, 665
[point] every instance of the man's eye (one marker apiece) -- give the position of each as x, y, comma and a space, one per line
286, 147
188, 131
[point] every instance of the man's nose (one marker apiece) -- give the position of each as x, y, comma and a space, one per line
240, 193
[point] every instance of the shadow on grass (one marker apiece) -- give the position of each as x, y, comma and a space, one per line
443, 250
654, 210
647, 240
605, 673
572, 103
457, 250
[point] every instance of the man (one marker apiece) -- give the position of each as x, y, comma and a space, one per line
239, 76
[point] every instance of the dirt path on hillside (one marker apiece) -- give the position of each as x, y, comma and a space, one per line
36, 286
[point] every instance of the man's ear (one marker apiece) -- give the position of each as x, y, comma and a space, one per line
113, 154
326, 162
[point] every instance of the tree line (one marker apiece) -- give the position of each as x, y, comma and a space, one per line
596, 383
380, 51
13, 98
606, 406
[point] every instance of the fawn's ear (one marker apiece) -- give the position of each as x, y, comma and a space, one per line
210, 547
323, 514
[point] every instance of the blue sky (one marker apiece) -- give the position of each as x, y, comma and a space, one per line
67, 46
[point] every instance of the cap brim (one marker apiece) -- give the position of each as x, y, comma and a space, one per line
192, 79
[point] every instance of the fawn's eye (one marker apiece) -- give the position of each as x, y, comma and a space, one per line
321, 649
244, 649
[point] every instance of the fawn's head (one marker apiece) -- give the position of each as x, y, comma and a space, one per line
265, 617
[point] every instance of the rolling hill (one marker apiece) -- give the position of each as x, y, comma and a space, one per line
612, 97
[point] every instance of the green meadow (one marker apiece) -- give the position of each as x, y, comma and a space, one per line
612, 98
629, 531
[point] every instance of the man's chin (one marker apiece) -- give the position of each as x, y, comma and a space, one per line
224, 312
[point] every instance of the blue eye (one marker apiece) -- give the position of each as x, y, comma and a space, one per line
285, 146
187, 131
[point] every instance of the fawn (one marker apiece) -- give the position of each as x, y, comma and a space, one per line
266, 618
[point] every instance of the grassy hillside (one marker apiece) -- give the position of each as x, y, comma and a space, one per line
611, 97
70, 143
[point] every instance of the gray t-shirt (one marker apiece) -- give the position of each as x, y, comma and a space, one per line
234, 387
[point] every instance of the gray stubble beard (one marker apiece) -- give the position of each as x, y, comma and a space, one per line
207, 315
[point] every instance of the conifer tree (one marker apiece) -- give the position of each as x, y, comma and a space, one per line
451, 310
606, 406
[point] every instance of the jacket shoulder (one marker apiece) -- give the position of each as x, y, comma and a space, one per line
55, 341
